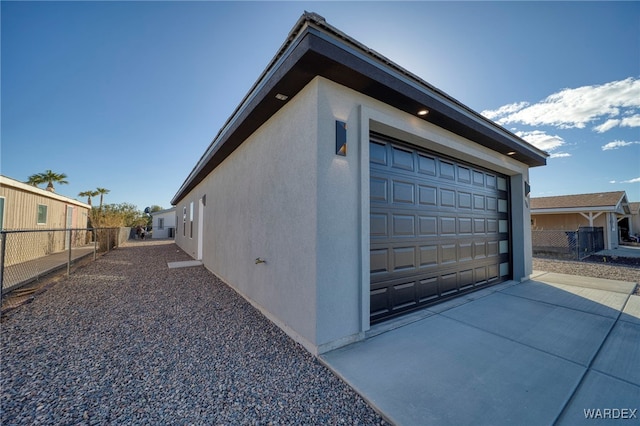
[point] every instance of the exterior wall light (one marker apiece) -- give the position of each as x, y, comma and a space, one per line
341, 138
423, 112
281, 97
511, 153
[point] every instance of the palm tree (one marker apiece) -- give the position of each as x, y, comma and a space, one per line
88, 194
102, 191
49, 178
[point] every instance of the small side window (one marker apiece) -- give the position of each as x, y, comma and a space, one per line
184, 221
42, 214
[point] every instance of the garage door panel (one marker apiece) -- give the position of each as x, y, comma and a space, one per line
464, 174
379, 261
465, 252
492, 248
478, 178
480, 275
402, 159
403, 225
448, 254
479, 226
464, 200
447, 170
428, 226
448, 284
492, 272
490, 181
464, 226
378, 189
378, 153
403, 192
492, 204
379, 302
479, 249
427, 165
447, 198
404, 295
427, 195
428, 289
447, 226
378, 225
428, 256
404, 259
466, 280
439, 227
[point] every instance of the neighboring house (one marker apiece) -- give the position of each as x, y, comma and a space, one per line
344, 191
25, 206
163, 223
634, 222
608, 210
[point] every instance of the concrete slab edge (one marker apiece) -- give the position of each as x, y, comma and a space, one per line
589, 366
362, 395
184, 264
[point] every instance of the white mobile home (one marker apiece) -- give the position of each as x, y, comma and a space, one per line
345, 191
163, 223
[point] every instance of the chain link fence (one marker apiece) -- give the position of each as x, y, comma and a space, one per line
27, 255
570, 245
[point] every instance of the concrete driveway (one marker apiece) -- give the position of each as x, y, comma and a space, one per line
556, 349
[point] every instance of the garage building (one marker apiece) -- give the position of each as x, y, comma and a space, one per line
345, 191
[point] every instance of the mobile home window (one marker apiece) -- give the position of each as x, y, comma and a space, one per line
42, 214
160, 223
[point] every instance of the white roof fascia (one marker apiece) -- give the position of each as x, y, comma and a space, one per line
8, 182
601, 209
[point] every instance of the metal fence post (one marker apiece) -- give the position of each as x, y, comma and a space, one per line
95, 243
3, 248
69, 259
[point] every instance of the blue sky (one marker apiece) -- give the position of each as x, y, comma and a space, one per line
128, 95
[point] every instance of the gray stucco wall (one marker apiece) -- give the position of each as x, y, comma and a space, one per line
261, 203
286, 197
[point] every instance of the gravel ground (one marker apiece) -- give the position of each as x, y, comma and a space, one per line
125, 340
609, 271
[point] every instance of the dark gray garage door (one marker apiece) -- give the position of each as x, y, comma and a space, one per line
439, 228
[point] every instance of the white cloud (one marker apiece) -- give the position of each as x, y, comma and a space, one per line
560, 155
632, 121
575, 108
541, 140
634, 180
607, 125
504, 110
617, 144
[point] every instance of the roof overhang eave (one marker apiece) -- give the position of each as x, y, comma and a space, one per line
313, 49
